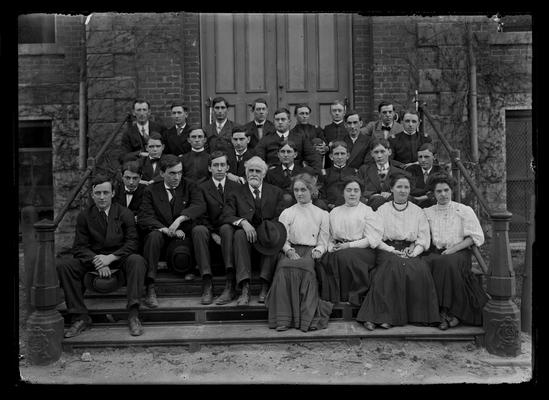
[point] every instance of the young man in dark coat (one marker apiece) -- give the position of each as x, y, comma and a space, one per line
134, 139
151, 163
105, 239
195, 162
267, 148
240, 154
218, 133
166, 217
210, 228
331, 180
313, 133
406, 143
421, 172
175, 138
245, 209
260, 126
129, 192
357, 144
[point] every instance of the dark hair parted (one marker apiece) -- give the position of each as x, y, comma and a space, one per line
380, 142
393, 178
350, 179
427, 146
132, 166
384, 103
219, 99
261, 101
339, 143
179, 104
168, 161
139, 101
101, 178
155, 136
302, 105
217, 154
352, 112
440, 177
310, 181
290, 143
240, 128
282, 110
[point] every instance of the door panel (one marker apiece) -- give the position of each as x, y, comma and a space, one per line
285, 58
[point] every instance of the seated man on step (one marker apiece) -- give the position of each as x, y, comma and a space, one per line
105, 239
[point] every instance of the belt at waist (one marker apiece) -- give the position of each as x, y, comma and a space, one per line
398, 244
339, 241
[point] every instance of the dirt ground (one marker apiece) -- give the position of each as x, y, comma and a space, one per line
379, 362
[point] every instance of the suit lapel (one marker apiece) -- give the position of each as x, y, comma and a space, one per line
214, 192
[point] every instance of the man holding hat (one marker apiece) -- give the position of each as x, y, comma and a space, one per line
255, 207
104, 256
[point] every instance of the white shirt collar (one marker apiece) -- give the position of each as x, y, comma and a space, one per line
216, 182
260, 123
409, 134
338, 122
145, 125
221, 124
197, 151
260, 188
241, 154
384, 167
426, 170
291, 167
181, 127
106, 210
285, 134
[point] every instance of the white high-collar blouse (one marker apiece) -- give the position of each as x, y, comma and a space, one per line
306, 224
359, 225
410, 224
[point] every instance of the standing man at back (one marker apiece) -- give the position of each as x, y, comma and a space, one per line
176, 137
336, 129
218, 133
135, 138
260, 126
386, 127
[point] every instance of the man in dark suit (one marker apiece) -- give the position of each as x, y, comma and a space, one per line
313, 133
406, 143
175, 138
240, 154
129, 192
281, 175
195, 162
421, 172
331, 180
246, 208
267, 148
336, 129
105, 238
134, 139
209, 227
218, 133
376, 176
166, 217
151, 163
260, 126
357, 144
385, 127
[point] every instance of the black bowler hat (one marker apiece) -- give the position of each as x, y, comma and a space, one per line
271, 236
93, 281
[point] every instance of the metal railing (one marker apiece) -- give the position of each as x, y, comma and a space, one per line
45, 323
501, 316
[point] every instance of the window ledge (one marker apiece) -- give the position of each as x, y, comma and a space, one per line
31, 49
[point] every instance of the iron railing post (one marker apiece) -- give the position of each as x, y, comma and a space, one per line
45, 324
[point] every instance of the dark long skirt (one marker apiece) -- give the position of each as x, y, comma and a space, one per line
293, 299
345, 275
457, 288
402, 292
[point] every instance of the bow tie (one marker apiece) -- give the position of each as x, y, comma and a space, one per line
385, 128
153, 160
260, 125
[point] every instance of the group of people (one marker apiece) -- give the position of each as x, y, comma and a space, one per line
341, 214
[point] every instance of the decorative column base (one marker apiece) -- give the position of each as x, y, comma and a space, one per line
502, 327
44, 328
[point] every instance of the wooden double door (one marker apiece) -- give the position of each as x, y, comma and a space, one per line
286, 59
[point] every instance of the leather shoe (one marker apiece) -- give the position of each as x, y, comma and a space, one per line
369, 325
136, 329
227, 296
385, 325
281, 328
77, 328
443, 325
453, 322
150, 299
207, 295
244, 298
263, 293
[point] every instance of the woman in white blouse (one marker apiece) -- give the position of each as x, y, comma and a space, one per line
454, 228
355, 230
293, 300
402, 289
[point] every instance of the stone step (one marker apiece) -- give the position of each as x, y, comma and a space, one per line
234, 333
188, 310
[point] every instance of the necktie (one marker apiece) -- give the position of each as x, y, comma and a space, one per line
130, 193
257, 213
382, 174
260, 131
172, 201
144, 133
425, 176
218, 128
179, 130
105, 218
287, 173
220, 189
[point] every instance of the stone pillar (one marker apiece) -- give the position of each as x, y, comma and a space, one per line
45, 324
29, 216
501, 315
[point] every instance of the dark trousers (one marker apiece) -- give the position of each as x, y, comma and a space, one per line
243, 259
71, 273
177, 253
201, 237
